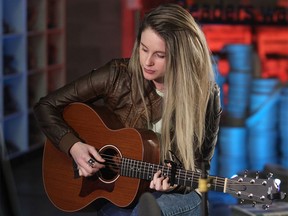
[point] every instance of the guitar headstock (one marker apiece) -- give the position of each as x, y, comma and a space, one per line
255, 189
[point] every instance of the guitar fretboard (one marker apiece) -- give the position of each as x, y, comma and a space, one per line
144, 170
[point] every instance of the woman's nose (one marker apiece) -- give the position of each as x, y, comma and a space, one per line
149, 60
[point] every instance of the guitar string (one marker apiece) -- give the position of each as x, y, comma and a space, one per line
219, 184
164, 169
182, 177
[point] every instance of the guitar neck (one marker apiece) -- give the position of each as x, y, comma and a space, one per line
143, 170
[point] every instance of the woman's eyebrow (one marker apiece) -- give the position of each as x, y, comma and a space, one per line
163, 52
143, 44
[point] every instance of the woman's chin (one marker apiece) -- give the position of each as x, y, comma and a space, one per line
149, 77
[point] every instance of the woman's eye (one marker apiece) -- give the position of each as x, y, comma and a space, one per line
161, 56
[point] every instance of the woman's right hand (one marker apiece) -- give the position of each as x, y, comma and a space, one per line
82, 153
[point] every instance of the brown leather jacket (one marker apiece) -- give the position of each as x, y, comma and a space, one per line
113, 84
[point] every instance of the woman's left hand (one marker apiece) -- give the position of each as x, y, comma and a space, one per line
160, 183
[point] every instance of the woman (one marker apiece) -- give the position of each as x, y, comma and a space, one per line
167, 85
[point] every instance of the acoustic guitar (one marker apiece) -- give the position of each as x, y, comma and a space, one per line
131, 159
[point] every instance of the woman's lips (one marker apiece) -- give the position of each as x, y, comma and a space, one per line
149, 71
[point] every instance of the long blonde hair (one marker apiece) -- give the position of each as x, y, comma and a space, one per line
187, 80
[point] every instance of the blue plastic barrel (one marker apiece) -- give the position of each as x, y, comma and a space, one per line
262, 144
238, 94
284, 145
233, 141
231, 165
283, 123
284, 161
214, 163
264, 85
259, 163
216, 197
239, 56
263, 106
263, 134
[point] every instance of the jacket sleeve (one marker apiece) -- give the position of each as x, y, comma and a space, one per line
48, 111
213, 115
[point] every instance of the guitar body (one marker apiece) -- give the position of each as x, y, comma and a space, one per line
102, 130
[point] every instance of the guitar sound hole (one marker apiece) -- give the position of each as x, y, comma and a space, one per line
112, 163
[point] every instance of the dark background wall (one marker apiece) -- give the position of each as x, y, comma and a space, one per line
93, 34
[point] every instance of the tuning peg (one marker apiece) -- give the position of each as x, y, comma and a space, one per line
265, 206
245, 173
257, 175
240, 180
262, 198
269, 175
264, 183
254, 204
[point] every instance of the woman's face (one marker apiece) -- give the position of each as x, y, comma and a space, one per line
153, 57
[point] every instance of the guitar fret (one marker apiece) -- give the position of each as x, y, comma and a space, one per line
145, 174
128, 167
178, 177
152, 171
132, 168
136, 169
188, 179
185, 179
163, 171
139, 170
168, 172
149, 169
192, 179
157, 168
145, 170
192, 183
215, 183
123, 163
